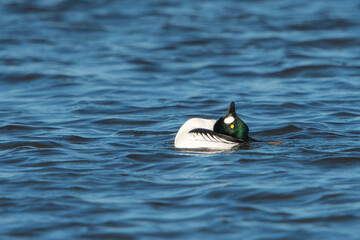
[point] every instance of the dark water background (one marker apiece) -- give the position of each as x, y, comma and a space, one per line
93, 92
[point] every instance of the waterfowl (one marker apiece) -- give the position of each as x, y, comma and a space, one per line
223, 134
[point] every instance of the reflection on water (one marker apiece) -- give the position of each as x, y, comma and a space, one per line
93, 92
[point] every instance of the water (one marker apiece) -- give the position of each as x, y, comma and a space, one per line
93, 93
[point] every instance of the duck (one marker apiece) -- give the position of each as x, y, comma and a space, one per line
223, 134
226, 133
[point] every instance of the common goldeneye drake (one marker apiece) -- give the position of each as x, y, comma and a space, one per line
223, 134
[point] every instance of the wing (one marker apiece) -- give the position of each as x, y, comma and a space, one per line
209, 135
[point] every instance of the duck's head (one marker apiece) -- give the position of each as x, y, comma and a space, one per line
231, 124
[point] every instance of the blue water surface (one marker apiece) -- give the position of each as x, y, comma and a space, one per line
92, 94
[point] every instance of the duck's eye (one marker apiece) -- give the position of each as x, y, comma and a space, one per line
232, 126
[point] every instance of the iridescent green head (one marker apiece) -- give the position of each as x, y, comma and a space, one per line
231, 124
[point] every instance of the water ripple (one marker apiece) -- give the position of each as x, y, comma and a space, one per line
91, 101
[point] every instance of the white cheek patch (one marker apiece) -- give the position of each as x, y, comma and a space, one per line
229, 120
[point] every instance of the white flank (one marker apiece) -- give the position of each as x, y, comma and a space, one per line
186, 140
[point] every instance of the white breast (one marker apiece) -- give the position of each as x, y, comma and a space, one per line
185, 139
